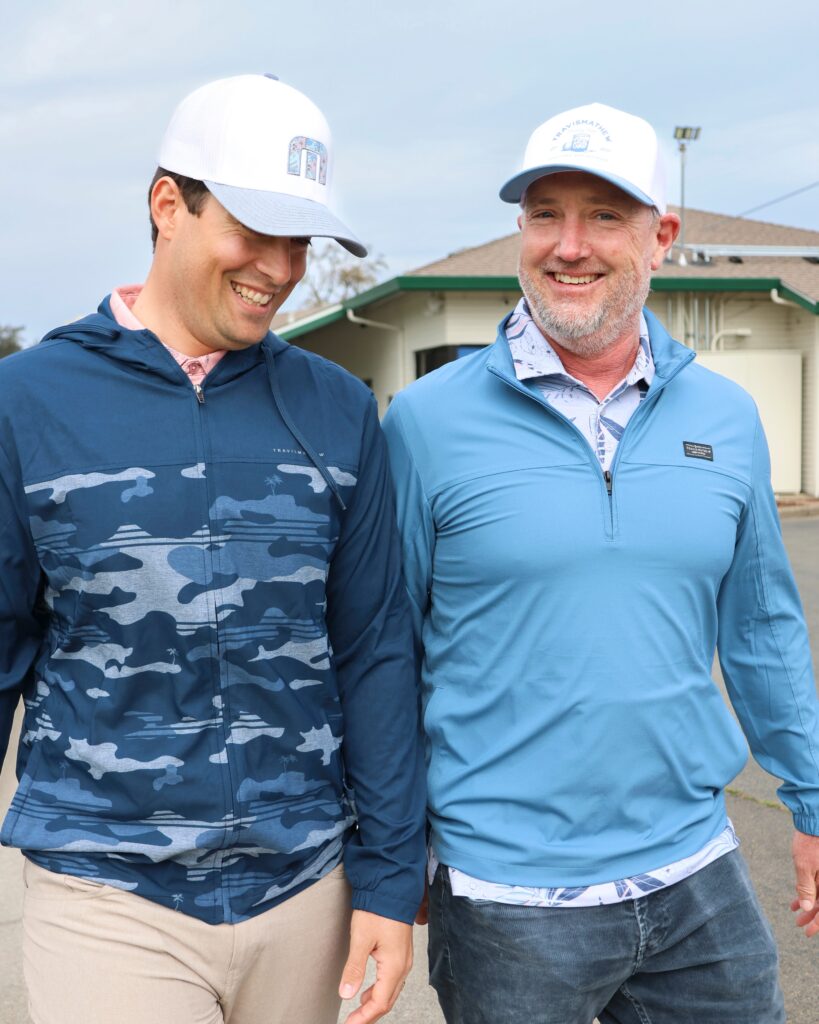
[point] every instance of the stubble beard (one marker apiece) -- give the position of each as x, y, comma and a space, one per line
589, 332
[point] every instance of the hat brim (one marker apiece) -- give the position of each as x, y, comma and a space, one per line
513, 190
274, 213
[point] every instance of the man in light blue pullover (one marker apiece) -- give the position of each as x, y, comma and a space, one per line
586, 516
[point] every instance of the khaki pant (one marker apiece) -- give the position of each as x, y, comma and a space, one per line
93, 954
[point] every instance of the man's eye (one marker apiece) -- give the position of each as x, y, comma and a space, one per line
303, 242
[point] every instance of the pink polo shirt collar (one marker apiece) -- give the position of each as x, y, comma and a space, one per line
122, 301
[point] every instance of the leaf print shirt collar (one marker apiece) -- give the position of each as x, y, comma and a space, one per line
533, 356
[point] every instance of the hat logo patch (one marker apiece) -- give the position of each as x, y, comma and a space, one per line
315, 162
578, 143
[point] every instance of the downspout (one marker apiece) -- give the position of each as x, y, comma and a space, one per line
370, 323
777, 298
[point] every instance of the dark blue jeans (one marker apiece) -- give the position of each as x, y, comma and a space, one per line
698, 952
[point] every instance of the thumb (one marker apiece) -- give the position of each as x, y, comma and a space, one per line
353, 973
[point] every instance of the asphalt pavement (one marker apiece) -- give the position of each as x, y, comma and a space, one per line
760, 820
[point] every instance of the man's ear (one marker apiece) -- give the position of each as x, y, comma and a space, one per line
167, 206
666, 230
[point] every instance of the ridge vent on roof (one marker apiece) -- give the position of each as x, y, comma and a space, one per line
771, 251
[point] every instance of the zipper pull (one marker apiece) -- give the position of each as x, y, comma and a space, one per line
200, 394
607, 478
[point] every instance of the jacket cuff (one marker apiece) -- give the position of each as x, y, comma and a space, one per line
384, 905
806, 823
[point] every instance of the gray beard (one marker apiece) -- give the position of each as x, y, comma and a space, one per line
592, 332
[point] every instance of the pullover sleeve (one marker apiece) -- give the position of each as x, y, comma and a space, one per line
415, 522
20, 630
765, 653
369, 628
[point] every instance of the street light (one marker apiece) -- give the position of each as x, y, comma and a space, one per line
684, 135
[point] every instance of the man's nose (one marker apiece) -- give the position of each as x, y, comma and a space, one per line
273, 260
573, 243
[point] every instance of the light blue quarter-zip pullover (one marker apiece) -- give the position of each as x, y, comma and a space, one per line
567, 620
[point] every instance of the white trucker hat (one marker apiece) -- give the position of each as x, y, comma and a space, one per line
264, 150
600, 140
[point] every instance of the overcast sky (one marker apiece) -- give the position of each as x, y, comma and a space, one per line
430, 102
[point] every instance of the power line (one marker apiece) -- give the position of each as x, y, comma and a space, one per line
779, 199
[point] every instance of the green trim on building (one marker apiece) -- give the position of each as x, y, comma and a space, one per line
315, 323
734, 284
799, 299
459, 284
418, 283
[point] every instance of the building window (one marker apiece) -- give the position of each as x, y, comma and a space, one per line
430, 359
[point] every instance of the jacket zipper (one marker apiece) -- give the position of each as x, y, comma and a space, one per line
222, 693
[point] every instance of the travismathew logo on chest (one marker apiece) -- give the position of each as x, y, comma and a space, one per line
695, 450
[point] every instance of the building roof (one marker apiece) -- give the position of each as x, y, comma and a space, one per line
499, 258
493, 266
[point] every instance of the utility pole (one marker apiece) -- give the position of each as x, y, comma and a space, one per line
684, 135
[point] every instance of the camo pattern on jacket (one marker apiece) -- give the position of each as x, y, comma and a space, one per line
133, 617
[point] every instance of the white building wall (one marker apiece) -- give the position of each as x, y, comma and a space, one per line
424, 319
368, 352
771, 325
774, 378
472, 318
806, 332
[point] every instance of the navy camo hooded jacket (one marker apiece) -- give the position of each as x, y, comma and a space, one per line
201, 605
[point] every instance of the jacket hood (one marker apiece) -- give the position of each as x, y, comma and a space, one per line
142, 350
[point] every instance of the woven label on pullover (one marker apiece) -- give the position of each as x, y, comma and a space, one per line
694, 450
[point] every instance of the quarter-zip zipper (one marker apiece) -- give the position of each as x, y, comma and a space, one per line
606, 476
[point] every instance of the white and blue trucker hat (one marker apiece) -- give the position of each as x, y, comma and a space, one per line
264, 150
599, 140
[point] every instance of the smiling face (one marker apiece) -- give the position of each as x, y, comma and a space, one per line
220, 282
587, 252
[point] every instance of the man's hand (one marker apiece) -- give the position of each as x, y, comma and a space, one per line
389, 943
806, 861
